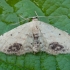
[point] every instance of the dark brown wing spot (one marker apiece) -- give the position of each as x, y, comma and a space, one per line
18, 32
15, 47
59, 34
11, 34
40, 43
56, 46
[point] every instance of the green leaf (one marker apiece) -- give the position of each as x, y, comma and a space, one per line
55, 12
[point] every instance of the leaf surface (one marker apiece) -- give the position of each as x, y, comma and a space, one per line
56, 13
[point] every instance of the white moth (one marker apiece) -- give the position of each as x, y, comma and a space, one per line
35, 36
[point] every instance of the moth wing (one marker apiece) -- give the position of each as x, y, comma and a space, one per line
17, 41
58, 40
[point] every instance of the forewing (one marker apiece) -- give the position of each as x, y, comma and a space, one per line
58, 40
17, 41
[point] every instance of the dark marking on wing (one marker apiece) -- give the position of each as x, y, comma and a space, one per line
59, 34
56, 46
15, 47
18, 32
40, 43
11, 34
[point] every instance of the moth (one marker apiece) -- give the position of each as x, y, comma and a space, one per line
35, 36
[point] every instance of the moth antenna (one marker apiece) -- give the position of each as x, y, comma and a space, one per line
53, 16
21, 16
18, 22
21, 20
36, 14
35, 17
